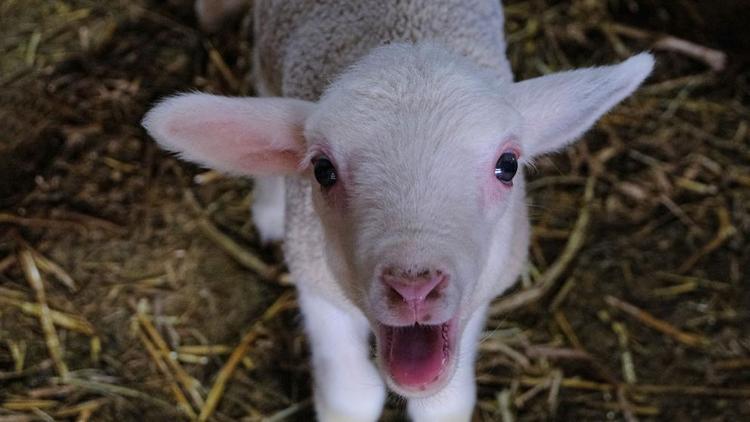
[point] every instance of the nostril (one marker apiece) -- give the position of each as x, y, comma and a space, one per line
393, 295
435, 293
414, 288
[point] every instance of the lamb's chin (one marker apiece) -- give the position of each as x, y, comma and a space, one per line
418, 360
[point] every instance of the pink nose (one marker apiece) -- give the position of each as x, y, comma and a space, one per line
414, 289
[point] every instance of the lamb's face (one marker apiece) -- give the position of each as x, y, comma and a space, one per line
413, 169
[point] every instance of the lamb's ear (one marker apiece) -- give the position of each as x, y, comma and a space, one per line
248, 136
559, 108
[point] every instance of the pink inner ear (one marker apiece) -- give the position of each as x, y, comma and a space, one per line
238, 147
273, 162
250, 136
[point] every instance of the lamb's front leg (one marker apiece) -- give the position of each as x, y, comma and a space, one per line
455, 402
347, 386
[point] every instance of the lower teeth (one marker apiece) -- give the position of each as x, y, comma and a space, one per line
444, 332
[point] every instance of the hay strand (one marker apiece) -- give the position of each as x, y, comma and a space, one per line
34, 278
651, 321
217, 390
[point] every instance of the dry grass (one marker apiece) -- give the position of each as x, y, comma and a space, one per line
133, 287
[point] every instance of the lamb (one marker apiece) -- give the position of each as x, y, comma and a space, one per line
387, 146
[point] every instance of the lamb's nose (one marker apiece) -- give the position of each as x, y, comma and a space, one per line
415, 289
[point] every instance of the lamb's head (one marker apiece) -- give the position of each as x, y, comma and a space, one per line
414, 156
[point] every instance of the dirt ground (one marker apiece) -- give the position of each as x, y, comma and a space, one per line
133, 287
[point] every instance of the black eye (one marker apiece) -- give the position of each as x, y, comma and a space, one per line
325, 173
506, 167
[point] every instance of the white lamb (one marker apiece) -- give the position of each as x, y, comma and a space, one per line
387, 151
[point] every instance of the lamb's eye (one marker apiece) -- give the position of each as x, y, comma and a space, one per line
506, 167
325, 172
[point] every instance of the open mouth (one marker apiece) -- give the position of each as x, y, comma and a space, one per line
417, 357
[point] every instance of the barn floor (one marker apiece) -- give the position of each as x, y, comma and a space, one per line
155, 301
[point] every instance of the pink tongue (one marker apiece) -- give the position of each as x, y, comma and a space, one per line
416, 354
